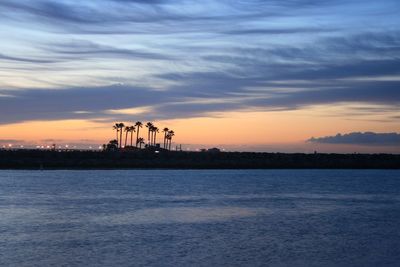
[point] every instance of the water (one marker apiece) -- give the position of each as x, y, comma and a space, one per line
200, 218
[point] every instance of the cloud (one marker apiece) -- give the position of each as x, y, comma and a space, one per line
183, 58
359, 138
215, 93
80, 49
27, 60
123, 16
274, 31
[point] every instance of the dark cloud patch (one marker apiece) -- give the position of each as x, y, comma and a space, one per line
274, 31
181, 101
123, 16
26, 60
71, 103
85, 49
368, 54
362, 68
51, 10
359, 138
83, 13
385, 93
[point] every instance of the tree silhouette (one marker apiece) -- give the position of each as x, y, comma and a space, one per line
165, 131
170, 135
111, 146
155, 131
129, 129
116, 128
151, 135
121, 127
149, 125
139, 125
133, 129
140, 142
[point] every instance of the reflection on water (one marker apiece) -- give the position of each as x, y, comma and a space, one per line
202, 218
178, 215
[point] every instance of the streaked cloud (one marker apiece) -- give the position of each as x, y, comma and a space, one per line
70, 59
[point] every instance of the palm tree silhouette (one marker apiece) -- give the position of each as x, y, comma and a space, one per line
116, 128
149, 125
129, 129
165, 131
140, 142
170, 135
151, 135
139, 125
121, 127
133, 130
168, 140
155, 131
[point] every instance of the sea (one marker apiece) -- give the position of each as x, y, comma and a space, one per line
200, 218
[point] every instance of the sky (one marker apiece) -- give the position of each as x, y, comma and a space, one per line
247, 75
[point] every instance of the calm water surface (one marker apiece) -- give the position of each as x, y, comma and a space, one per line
200, 218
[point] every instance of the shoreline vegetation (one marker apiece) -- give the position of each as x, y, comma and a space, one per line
151, 158
126, 153
123, 131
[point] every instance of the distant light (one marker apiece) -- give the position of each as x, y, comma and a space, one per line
9, 145
47, 146
66, 146
90, 147
157, 151
100, 147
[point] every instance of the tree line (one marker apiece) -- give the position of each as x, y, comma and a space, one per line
124, 136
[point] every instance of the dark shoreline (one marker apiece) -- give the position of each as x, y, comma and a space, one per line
79, 160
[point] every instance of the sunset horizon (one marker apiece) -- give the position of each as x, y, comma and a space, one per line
244, 76
200, 133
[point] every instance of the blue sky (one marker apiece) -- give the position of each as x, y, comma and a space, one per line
184, 59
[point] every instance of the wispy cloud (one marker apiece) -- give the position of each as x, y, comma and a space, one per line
184, 58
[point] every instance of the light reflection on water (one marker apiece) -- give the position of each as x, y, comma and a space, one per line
179, 215
202, 218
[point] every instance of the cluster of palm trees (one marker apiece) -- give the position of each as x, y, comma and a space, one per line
151, 135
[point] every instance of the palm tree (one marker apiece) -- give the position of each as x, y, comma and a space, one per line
149, 125
155, 131
165, 131
170, 135
151, 135
133, 129
139, 125
140, 142
168, 139
121, 127
116, 127
129, 129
